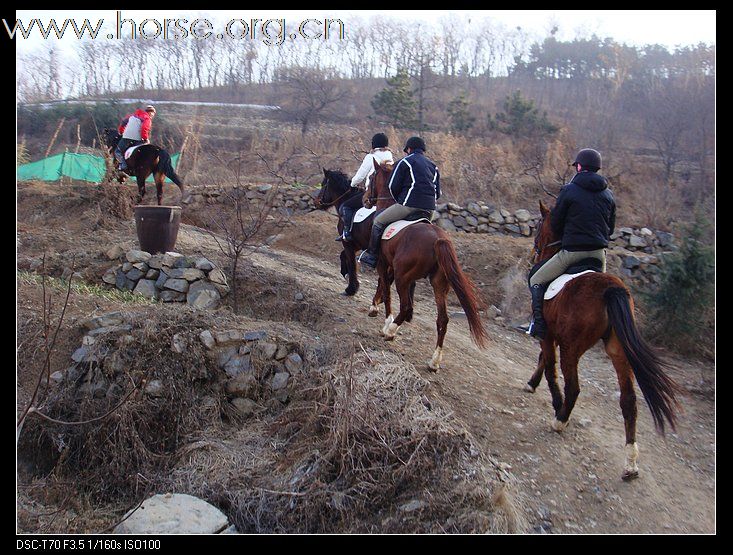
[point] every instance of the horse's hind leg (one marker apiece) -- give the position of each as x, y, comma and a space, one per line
569, 365
534, 381
440, 289
625, 376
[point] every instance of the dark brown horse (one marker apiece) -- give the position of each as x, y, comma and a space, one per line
418, 251
335, 190
145, 160
597, 306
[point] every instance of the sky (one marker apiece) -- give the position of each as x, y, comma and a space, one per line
670, 28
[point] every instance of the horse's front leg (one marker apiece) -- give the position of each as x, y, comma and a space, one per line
159, 180
140, 188
403, 290
350, 259
534, 381
378, 295
385, 278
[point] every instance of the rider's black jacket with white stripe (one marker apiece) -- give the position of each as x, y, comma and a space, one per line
415, 181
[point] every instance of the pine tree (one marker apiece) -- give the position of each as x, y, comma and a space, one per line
396, 101
683, 305
461, 118
521, 118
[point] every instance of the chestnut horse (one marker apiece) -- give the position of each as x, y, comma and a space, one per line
145, 159
597, 306
418, 251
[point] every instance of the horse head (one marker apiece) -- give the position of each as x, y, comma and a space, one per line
334, 185
111, 137
546, 243
378, 184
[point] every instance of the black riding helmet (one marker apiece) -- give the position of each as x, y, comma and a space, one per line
414, 143
380, 140
589, 159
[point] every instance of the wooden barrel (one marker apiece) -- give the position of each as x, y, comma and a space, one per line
157, 227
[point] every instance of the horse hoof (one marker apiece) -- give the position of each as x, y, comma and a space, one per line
373, 311
528, 388
629, 475
558, 426
348, 293
433, 368
389, 337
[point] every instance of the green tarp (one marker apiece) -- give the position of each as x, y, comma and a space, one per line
85, 167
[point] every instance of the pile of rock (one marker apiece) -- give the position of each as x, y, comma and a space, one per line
257, 368
169, 277
234, 350
642, 239
478, 217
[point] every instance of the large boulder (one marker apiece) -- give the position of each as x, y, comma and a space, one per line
173, 513
135, 256
146, 288
202, 295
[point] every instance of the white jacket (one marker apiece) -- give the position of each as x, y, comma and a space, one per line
366, 169
132, 130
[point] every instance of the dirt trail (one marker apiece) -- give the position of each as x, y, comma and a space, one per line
570, 482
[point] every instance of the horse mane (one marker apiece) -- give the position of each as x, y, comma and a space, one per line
340, 179
386, 165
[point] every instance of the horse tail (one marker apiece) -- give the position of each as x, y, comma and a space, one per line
465, 289
659, 389
165, 165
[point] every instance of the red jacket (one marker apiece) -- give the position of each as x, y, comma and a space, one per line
144, 117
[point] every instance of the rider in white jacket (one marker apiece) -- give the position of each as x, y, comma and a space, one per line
380, 153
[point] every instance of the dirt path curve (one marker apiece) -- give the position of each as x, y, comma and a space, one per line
570, 482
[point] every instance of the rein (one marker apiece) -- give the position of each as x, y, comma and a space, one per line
334, 201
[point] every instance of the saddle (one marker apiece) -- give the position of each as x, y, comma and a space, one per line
395, 227
363, 213
578, 269
130, 150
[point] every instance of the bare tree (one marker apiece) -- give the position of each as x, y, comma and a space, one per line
307, 95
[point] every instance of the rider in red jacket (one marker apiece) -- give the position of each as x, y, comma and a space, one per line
135, 129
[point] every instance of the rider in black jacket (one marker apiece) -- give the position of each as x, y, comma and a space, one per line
415, 186
584, 217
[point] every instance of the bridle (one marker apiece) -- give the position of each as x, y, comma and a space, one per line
371, 189
322, 204
537, 249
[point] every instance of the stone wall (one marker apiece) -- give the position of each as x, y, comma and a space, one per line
636, 252
169, 277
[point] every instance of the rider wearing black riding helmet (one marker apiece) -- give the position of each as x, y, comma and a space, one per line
379, 152
583, 217
415, 186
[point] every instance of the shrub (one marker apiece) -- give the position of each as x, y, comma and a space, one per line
681, 312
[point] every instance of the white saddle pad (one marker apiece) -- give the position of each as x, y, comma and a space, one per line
363, 213
394, 228
130, 150
560, 282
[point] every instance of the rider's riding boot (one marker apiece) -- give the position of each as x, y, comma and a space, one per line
370, 256
538, 327
348, 223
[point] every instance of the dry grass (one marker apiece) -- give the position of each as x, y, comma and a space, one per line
360, 446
